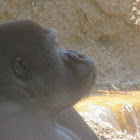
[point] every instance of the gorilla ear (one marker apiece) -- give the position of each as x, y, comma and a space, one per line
20, 69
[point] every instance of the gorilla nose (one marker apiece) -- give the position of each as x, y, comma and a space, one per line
78, 57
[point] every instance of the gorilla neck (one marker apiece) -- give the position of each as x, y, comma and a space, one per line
49, 104
45, 107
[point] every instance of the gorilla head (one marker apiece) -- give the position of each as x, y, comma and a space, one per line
35, 70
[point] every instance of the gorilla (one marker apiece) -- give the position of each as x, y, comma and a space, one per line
39, 84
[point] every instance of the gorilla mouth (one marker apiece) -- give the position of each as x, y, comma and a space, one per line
84, 85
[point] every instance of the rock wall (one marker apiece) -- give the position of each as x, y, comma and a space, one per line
106, 30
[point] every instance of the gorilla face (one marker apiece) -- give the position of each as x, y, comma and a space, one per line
39, 69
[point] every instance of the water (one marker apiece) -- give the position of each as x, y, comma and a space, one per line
122, 111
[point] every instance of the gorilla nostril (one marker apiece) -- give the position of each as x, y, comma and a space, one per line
81, 55
76, 54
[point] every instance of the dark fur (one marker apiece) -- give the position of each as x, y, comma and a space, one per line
38, 80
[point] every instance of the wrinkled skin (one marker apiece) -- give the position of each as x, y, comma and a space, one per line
38, 81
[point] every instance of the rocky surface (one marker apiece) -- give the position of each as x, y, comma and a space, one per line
105, 131
106, 30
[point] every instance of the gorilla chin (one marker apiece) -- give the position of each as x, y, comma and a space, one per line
39, 77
